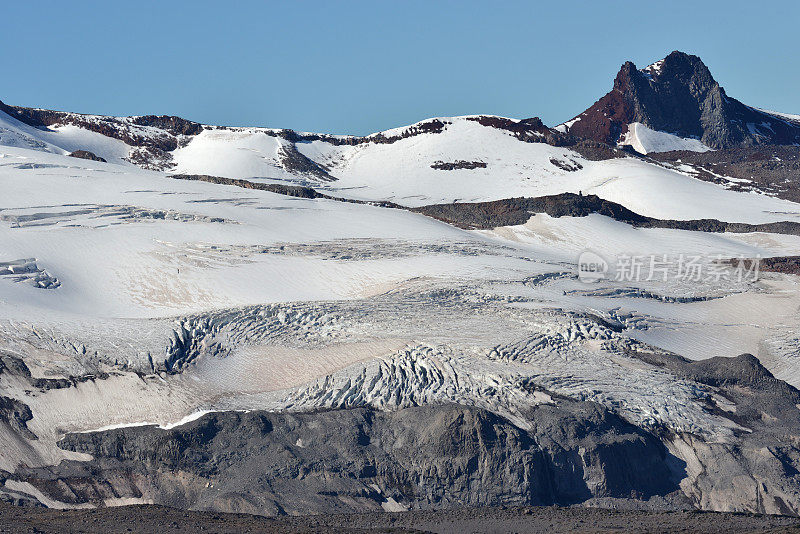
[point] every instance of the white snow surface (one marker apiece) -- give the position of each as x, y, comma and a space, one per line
233, 153
654, 68
646, 140
401, 171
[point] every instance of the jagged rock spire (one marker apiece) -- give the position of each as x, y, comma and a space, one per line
679, 95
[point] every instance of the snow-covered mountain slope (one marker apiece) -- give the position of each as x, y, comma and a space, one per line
14, 133
65, 138
235, 153
456, 159
165, 298
402, 172
131, 225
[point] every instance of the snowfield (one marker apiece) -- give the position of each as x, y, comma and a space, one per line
645, 140
180, 297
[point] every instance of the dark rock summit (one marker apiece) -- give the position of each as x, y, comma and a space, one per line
678, 95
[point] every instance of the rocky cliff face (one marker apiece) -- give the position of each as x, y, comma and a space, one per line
359, 459
678, 95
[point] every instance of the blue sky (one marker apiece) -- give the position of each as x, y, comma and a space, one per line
358, 67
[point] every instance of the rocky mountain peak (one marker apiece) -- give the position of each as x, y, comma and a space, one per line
679, 95
678, 68
680, 65
627, 73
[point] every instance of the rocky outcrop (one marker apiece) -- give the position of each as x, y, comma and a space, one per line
16, 414
515, 211
123, 129
358, 459
777, 264
534, 131
151, 137
85, 154
525, 130
458, 164
295, 162
432, 126
678, 95
445, 456
169, 123
569, 166
14, 366
762, 468
772, 170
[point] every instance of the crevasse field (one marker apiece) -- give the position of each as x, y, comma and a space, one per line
188, 297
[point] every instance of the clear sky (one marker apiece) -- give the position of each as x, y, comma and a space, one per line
362, 66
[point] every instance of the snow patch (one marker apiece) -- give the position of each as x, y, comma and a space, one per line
653, 69
564, 127
645, 140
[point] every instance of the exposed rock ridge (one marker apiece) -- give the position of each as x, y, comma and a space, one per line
359, 459
516, 211
153, 137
